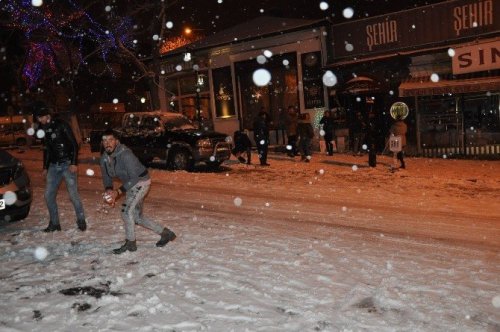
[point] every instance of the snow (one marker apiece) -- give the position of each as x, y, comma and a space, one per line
311, 247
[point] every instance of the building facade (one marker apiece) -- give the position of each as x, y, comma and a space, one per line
443, 60
213, 80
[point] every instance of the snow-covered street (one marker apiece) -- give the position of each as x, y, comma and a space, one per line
331, 245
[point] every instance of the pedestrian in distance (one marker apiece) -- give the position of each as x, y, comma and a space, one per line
399, 128
306, 134
291, 123
60, 160
242, 144
328, 126
118, 161
261, 135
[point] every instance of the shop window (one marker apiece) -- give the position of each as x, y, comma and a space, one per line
223, 92
280, 93
481, 119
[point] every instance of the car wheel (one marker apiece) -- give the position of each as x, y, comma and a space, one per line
182, 160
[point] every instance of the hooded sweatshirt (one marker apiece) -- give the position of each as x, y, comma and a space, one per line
123, 164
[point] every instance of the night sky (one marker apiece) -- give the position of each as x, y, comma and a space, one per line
213, 16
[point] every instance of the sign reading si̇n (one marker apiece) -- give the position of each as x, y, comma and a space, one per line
480, 57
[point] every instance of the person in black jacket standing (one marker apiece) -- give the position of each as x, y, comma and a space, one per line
60, 160
261, 136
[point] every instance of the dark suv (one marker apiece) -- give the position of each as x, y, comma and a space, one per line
15, 191
171, 139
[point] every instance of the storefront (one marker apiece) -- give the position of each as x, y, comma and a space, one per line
442, 60
214, 77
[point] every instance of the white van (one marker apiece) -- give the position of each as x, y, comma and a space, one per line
14, 130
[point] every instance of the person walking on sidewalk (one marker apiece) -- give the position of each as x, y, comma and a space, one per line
261, 135
60, 160
291, 123
306, 134
118, 161
328, 126
399, 128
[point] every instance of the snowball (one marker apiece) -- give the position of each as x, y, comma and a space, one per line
435, 77
90, 172
115, 101
40, 133
323, 5
261, 77
10, 197
41, 253
349, 47
354, 168
451, 52
169, 25
237, 201
261, 59
262, 142
268, 53
348, 12
212, 158
156, 37
358, 99
289, 147
178, 68
329, 78
322, 132
267, 204
364, 147
30, 131
344, 209
36, 3
107, 8
321, 171
286, 62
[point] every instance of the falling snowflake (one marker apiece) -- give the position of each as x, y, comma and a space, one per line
261, 77
41, 253
348, 12
238, 201
90, 172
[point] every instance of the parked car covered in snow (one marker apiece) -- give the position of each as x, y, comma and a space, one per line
15, 190
169, 139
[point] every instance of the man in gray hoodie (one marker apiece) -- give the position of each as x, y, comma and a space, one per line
119, 161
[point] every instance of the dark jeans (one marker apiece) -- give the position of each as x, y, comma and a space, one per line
292, 142
400, 157
329, 144
262, 147
55, 174
305, 147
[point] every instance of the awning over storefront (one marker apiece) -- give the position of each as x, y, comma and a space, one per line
425, 87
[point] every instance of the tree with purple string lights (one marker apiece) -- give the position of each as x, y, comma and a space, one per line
64, 39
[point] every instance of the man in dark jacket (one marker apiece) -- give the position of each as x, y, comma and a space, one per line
60, 160
118, 161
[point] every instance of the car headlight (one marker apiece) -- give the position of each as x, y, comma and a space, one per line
204, 144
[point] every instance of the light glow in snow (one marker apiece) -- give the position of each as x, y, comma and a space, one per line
10, 197
261, 77
40, 133
329, 78
348, 12
41, 253
238, 201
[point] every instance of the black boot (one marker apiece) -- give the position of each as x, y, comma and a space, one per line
82, 225
166, 236
128, 246
52, 228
